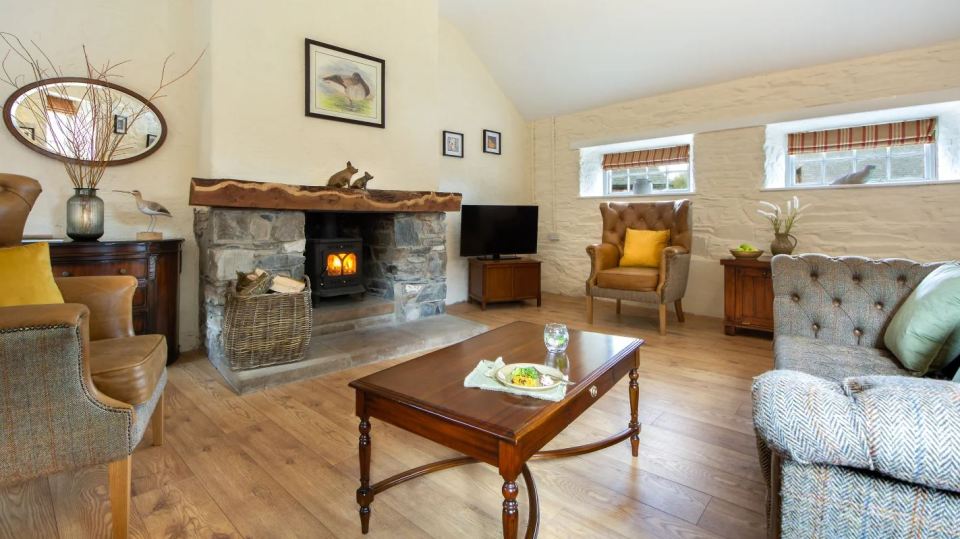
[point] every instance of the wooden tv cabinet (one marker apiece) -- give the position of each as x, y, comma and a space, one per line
495, 281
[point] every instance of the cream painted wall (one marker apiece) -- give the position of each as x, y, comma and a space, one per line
256, 127
471, 101
917, 222
241, 113
144, 33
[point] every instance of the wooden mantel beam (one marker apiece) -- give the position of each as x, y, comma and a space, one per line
227, 193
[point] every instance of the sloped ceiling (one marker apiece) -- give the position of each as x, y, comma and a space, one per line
558, 56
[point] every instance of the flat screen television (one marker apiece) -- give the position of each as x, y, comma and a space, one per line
494, 231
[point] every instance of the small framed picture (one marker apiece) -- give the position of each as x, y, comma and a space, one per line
151, 139
29, 133
452, 144
491, 141
119, 124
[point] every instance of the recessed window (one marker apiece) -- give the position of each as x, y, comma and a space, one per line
647, 172
880, 153
648, 180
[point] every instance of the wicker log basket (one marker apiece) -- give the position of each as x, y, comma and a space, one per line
266, 329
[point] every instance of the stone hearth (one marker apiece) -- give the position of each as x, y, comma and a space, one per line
404, 268
373, 339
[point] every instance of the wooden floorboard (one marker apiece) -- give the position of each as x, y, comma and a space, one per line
282, 462
183, 509
27, 511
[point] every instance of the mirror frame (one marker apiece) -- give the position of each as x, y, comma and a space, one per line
8, 120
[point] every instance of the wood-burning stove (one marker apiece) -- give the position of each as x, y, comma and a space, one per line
335, 266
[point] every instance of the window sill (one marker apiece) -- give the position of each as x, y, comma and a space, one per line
862, 186
673, 194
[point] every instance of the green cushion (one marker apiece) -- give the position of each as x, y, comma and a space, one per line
924, 334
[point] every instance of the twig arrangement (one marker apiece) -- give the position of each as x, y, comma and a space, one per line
85, 136
782, 221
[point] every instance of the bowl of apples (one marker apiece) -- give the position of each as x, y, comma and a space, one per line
745, 250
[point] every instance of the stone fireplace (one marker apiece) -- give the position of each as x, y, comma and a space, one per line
368, 269
405, 259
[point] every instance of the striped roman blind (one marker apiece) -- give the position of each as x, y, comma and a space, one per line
641, 158
867, 136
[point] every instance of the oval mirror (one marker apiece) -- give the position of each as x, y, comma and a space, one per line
85, 120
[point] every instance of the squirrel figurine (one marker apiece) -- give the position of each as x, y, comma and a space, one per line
342, 179
361, 182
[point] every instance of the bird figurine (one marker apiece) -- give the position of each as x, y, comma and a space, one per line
146, 207
353, 87
855, 178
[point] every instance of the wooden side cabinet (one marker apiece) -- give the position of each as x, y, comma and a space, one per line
495, 281
747, 295
155, 264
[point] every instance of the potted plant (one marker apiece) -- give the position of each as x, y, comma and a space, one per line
782, 222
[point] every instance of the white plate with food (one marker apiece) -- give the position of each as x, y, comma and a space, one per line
532, 376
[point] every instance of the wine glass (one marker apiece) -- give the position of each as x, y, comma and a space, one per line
556, 337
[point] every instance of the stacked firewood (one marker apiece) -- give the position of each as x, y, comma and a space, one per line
263, 282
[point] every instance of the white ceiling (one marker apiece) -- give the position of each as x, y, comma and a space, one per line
559, 56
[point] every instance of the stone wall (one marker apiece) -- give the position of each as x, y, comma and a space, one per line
405, 258
241, 240
917, 222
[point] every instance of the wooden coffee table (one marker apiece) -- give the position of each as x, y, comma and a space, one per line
426, 397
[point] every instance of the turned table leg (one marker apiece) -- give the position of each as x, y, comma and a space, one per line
511, 510
364, 493
634, 403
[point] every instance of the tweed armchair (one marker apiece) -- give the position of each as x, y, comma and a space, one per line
663, 285
850, 443
77, 388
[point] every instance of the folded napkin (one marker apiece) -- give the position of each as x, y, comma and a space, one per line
482, 377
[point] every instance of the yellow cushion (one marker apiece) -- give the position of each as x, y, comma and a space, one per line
26, 277
644, 248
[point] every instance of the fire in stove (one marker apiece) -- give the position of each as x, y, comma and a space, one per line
335, 266
341, 264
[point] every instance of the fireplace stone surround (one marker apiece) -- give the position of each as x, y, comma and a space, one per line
241, 225
404, 260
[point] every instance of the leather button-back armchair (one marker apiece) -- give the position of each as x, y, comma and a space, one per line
663, 285
77, 387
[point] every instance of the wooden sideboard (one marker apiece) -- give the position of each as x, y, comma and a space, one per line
747, 295
495, 281
155, 264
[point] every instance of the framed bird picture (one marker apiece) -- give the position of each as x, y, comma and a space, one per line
344, 85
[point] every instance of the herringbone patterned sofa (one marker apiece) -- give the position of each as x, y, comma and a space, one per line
850, 444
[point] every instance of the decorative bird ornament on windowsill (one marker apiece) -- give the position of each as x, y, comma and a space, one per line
152, 209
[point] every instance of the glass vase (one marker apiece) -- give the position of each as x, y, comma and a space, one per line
84, 215
556, 337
